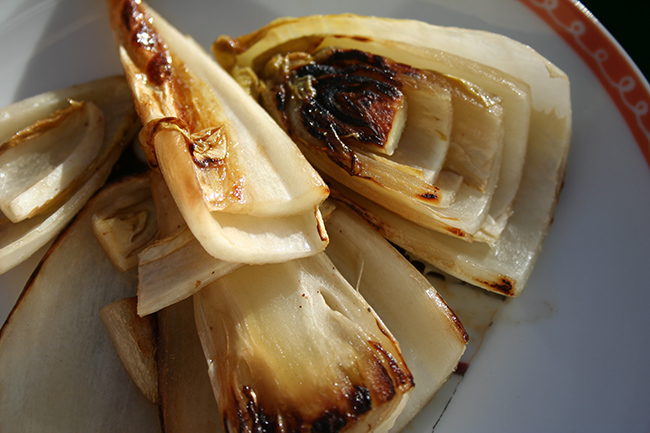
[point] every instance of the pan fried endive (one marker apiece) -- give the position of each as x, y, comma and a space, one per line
431, 337
326, 78
246, 193
487, 155
269, 308
293, 347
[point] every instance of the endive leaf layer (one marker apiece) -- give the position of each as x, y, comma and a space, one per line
293, 346
191, 111
431, 337
506, 266
111, 95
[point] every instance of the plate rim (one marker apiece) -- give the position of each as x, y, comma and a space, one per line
606, 58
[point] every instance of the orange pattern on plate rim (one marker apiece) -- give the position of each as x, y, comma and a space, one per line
618, 74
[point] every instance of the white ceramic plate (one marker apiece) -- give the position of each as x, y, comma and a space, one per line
570, 354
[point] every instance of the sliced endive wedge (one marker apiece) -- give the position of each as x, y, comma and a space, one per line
422, 46
505, 263
431, 337
327, 101
461, 62
244, 189
58, 367
294, 347
53, 179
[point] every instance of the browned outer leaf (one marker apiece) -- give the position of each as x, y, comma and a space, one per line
187, 403
176, 99
133, 338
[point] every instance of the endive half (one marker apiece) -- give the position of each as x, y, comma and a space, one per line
294, 347
445, 50
55, 155
537, 128
244, 189
175, 266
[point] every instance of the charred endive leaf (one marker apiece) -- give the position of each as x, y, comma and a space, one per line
244, 189
330, 118
58, 367
431, 337
346, 101
418, 45
294, 347
55, 154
